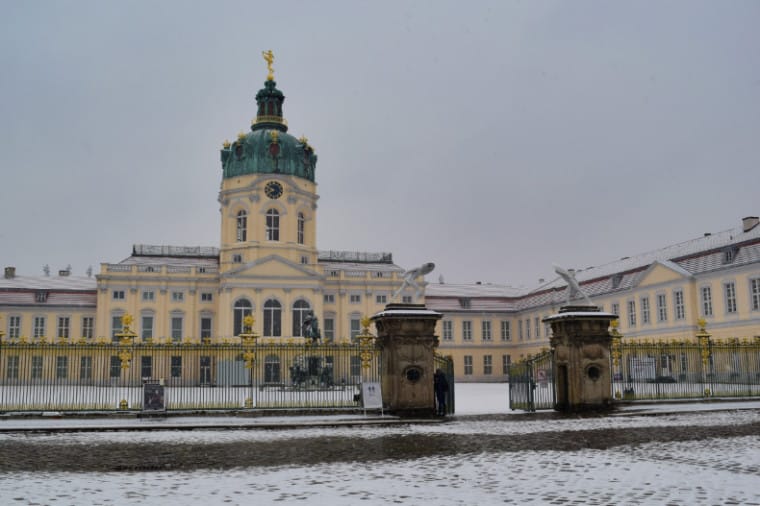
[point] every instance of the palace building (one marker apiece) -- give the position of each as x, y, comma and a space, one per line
267, 265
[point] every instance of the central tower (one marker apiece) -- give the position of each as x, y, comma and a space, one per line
268, 205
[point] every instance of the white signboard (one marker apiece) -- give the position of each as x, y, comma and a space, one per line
371, 396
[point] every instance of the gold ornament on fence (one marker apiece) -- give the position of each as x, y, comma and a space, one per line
248, 336
367, 341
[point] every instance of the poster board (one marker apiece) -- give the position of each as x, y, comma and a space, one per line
371, 396
153, 397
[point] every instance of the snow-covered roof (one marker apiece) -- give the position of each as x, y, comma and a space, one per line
169, 260
354, 266
48, 283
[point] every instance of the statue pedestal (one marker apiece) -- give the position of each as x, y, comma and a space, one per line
581, 343
406, 338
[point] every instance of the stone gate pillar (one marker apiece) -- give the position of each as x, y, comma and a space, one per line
407, 340
581, 342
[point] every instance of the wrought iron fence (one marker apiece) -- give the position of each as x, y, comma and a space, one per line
247, 374
531, 383
683, 369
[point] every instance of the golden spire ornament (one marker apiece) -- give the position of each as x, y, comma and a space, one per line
269, 58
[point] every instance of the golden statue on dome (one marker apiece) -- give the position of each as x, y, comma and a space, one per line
269, 58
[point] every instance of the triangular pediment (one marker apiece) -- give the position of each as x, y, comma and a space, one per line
272, 266
660, 272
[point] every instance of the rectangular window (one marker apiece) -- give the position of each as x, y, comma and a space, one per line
39, 326
355, 327
615, 309
147, 328
118, 295
706, 293
207, 297
12, 367
37, 367
176, 329
645, 310
88, 327
205, 370
61, 367
355, 298
115, 369
662, 308
679, 305
486, 330
115, 327
632, 313
505, 331
487, 365
468, 365
14, 326
146, 366
381, 299
85, 368
329, 329
448, 330
176, 366
406, 299
520, 329
506, 361
730, 289
329, 298
178, 296
467, 330
527, 328
205, 327
755, 293
148, 296
537, 326
63, 327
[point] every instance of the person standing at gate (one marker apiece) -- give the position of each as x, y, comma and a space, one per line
441, 388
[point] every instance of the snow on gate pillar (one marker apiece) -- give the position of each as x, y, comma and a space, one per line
581, 342
406, 336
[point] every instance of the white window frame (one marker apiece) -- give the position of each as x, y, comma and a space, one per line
118, 295
705, 294
176, 330
14, 326
447, 330
679, 305
729, 297
148, 296
467, 330
381, 299
754, 294
631, 304
64, 327
506, 331
487, 365
355, 298
178, 296
207, 296
241, 226
467, 362
272, 225
329, 298
662, 307
485, 330
38, 327
645, 314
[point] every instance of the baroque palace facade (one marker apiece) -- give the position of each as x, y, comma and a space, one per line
268, 266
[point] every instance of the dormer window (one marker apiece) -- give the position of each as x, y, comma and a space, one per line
729, 254
465, 303
616, 280
40, 296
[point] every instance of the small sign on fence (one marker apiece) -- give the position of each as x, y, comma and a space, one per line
371, 396
153, 397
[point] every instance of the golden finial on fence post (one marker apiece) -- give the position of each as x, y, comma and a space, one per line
366, 341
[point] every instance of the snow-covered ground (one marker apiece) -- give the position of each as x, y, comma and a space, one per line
716, 471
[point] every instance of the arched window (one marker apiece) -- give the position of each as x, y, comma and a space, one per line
273, 225
272, 369
300, 228
242, 226
272, 318
243, 308
300, 310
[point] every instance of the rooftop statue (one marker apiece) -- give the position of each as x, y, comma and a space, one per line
410, 275
269, 57
573, 288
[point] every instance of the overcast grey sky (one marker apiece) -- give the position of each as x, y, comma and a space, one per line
492, 138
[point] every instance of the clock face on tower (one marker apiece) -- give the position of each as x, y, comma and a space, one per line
273, 190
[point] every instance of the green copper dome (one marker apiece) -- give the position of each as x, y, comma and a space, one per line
268, 148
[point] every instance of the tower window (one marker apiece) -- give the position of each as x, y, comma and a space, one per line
273, 225
300, 228
242, 226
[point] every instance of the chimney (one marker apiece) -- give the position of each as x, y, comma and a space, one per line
64, 272
10, 272
749, 223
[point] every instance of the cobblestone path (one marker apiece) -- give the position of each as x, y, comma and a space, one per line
27, 454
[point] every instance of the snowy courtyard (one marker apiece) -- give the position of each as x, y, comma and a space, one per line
690, 470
